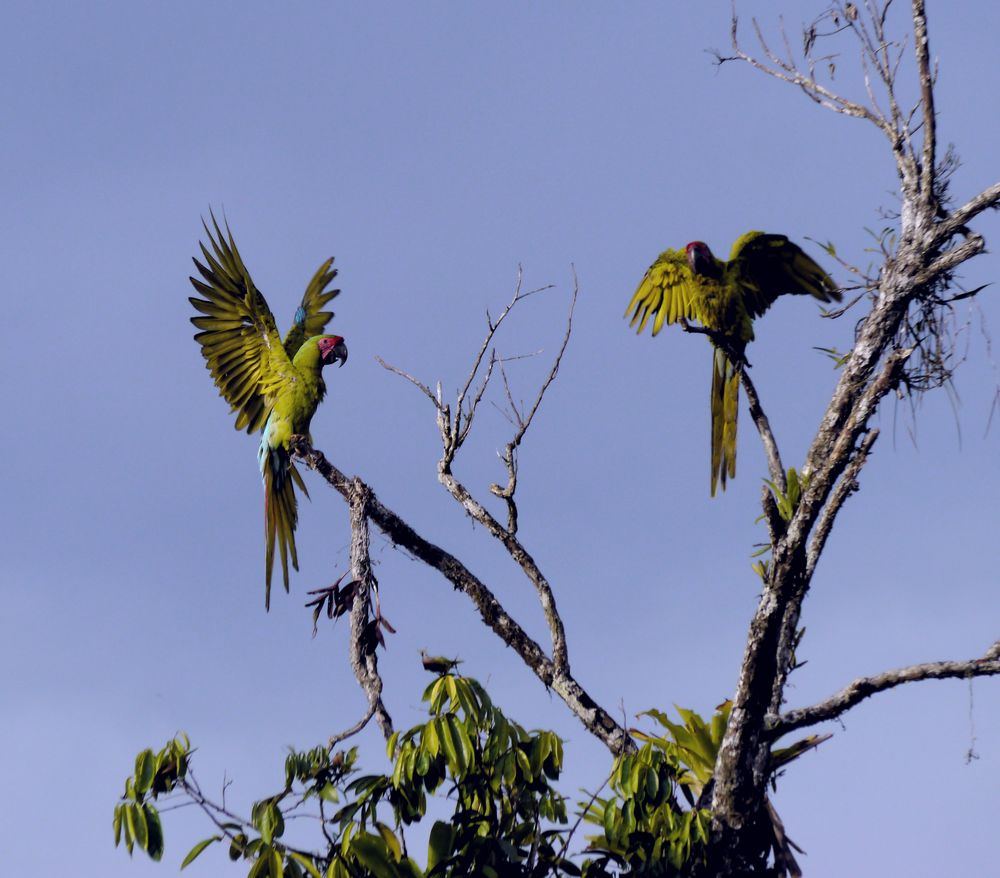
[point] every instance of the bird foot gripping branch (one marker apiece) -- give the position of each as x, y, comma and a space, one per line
720, 340
275, 386
725, 297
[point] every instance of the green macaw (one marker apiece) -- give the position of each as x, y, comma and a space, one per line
275, 386
725, 297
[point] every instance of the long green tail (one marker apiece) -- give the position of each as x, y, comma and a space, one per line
725, 408
281, 512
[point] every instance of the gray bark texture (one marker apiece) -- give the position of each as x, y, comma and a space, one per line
931, 244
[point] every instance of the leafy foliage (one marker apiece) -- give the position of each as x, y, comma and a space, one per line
507, 819
136, 821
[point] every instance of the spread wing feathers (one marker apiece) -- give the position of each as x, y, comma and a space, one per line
725, 408
310, 319
239, 338
281, 513
667, 293
767, 266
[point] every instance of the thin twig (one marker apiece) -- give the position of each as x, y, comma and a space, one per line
774, 464
414, 381
582, 813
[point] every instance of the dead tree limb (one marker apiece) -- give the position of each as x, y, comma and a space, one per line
854, 693
454, 429
888, 355
596, 720
364, 658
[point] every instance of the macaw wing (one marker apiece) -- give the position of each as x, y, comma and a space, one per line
767, 266
667, 293
309, 318
239, 339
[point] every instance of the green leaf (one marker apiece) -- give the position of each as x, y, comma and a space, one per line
448, 743
794, 488
238, 846
154, 831
145, 768
373, 855
137, 824
637, 779
467, 698
306, 864
522, 762
535, 758
391, 842
269, 821
439, 846
198, 848
430, 743
652, 785
509, 767
624, 775
436, 693
465, 752
118, 823
262, 867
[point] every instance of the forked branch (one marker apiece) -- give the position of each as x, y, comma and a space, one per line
597, 721
454, 431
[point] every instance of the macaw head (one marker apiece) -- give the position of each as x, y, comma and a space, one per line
701, 260
331, 348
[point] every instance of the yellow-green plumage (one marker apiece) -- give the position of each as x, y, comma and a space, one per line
725, 297
274, 386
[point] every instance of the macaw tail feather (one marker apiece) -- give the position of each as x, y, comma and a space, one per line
725, 408
280, 513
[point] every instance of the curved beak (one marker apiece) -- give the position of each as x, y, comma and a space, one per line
339, 352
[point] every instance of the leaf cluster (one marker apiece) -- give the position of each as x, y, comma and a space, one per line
136, 820
507, 819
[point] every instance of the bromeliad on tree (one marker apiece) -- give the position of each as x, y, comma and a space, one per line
274, 385
725, 297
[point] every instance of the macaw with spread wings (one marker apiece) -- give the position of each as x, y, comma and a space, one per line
725, 297
275, 386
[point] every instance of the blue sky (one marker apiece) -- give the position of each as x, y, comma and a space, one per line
433, 148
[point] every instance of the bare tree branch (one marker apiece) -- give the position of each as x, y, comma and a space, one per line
464, 416
364, 630
786, 71
453, 434
595, 719
414, 381
774, 464
987, 199
987, 665
516, 550
509, 455
847, 485
922, 47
